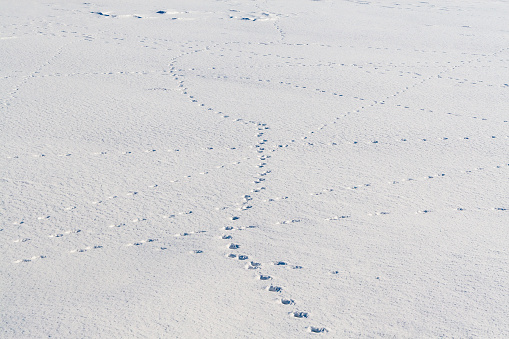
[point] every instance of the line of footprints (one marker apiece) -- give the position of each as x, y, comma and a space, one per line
122, 153
272, 288
419, 179
231, 246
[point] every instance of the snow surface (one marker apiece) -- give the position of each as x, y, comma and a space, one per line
254, 169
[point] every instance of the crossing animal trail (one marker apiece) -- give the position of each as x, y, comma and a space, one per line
254, 162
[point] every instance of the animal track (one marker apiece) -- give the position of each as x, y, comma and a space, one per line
141, 242
313, 329
152, 153
276, 199
59, 235
240, 257
273, 288
298, 314
377, 142
185, 234
254, 266
30, 259
85, 249
412, 180
260, 185
287, 301
337, 218
292, 221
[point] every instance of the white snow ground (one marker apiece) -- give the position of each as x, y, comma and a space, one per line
254, 169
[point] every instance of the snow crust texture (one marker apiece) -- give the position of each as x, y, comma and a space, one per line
254, 169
